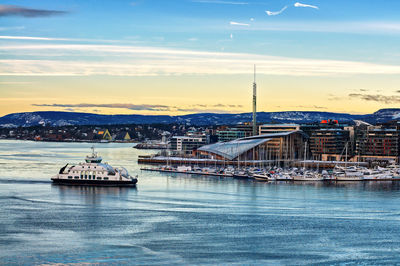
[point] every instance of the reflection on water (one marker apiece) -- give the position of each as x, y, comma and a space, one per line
186, 219
92, 194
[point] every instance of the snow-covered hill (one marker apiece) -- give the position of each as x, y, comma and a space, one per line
72, 118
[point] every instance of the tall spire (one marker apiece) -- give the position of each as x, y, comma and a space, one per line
254, 103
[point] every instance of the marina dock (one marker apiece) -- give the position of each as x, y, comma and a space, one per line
313, 164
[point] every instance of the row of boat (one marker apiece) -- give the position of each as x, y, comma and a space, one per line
352, 173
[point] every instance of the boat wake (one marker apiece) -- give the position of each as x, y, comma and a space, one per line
23, 181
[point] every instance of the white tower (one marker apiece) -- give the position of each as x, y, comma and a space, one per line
254, 103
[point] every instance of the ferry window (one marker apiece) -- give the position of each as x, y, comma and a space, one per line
76, 177
90, 176
98, 178
105, 178
70, 177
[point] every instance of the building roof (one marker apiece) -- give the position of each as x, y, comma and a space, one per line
280, 125
232, 149
276, 135
187, 137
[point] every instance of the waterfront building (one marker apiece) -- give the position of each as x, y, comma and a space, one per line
277, 128
122, 136
376, 143
104, 134
229, 135
328, 144
187, 144
238, 131
283, 146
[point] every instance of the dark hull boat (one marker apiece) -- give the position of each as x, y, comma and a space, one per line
94, 182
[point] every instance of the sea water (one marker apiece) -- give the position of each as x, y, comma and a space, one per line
185, 219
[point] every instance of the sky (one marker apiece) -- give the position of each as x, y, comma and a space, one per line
171, 57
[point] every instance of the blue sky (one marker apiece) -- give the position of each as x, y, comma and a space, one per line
339, 42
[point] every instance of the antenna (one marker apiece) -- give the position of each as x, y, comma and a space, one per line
254, 74
254, 103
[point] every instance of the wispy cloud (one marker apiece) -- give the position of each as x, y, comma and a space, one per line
304, 5
272, 13
12, 28
309, 107
9, 10
362, 27
238, 23
221, 108
135, 107
15, 82
376, 98
3, 37
119, 60
220, 2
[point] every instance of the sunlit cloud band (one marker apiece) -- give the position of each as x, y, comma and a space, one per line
118, 60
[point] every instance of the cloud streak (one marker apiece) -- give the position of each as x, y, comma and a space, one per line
238, 23
10, 10
304, 5
120, 60
4, 37
146, 107
272, 13
310, 107
136, 107
376, 98
220, 2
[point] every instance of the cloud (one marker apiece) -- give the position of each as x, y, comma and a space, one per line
220, 2
362, 27
12, 28
136, 107
238, 23
304, 5
217, 108
124, 60
15, 82
32, 38
9, 10
310, 106
217, 105
271, 13
376, 98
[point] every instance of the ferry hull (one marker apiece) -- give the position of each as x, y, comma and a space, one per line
83, 182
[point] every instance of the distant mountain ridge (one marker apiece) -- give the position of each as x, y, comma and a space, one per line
55, 118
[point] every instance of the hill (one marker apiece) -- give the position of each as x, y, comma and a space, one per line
73, 118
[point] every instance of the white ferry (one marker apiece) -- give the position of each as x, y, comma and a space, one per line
93, 172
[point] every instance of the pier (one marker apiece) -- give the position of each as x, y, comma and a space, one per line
175, 161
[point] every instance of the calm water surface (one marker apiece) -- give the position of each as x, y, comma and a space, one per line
183, 219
